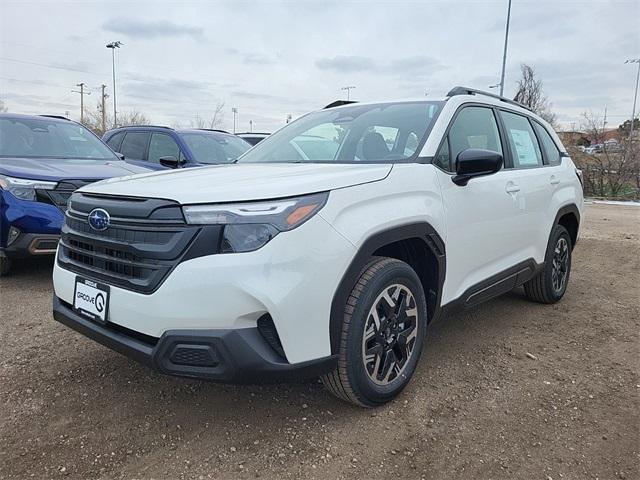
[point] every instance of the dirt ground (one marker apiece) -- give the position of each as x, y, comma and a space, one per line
478, 407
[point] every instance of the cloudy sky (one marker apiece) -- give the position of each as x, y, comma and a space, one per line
270, 59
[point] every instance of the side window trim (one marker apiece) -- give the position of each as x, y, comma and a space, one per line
507, 153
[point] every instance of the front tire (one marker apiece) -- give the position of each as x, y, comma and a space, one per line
5, 266
382, 336
550, 285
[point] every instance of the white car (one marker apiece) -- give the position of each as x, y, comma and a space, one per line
286, 266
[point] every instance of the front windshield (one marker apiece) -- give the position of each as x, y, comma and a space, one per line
48, 138
210, 147
387, 132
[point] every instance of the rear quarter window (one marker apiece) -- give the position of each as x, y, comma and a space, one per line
549, 147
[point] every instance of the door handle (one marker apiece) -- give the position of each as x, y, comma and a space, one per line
512, 188
554, 180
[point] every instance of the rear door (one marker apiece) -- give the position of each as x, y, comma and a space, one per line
535, 180
485, 227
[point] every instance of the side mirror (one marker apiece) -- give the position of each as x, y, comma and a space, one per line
170, 161
119, 155
473, 163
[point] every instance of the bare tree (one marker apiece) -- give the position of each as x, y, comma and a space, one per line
93, 119
612, 172
214, 121
530, 94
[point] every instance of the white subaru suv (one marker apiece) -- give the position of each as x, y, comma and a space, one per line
327, 249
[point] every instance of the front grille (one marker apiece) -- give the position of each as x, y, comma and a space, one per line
60, 195
135, 252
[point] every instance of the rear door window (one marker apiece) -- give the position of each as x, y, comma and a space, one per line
524, 143
134, 145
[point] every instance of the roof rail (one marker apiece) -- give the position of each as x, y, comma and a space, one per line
339, 103
213, 130
144, 126
472, 91
59, 117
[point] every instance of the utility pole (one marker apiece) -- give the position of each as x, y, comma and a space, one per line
235, 112
102, 108
113, 46
504, 53
635, 98
348, 89
82, 93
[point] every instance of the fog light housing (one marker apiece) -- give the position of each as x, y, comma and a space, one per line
13, 235
246, 237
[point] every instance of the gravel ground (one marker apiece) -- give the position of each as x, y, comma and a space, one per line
508, 390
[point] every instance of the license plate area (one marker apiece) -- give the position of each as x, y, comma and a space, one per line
91, 299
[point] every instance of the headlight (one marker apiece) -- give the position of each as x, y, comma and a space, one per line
250, 225
22, 188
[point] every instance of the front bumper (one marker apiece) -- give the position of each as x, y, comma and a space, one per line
39, 224
28, 244
224, 355
293, 279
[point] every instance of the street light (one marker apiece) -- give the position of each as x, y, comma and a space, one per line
113, 46
235, 112
504, 52
635, 98
348, 89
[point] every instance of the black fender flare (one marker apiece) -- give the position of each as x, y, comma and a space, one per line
570, 208
420, 230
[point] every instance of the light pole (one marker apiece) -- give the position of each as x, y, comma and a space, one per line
113, 46
635, 98
348, 89
235, 112
504, 53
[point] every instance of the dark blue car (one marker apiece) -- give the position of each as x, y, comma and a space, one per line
42, 161
164, 147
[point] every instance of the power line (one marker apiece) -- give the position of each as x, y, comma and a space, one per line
69, 69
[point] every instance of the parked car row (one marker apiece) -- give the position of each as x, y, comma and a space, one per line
43, 159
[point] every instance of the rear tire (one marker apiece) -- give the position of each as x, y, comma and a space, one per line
5, 266
383, 332
550, 284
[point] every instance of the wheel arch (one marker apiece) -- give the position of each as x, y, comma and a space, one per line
417, 244
569, 217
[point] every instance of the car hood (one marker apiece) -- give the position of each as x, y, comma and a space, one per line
241, 182
56, 169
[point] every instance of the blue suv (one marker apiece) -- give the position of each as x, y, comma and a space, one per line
43, 160
163, 147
